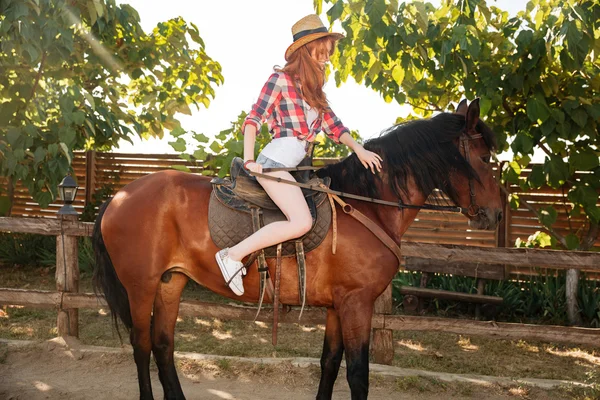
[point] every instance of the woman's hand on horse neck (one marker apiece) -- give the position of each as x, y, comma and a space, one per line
367, 158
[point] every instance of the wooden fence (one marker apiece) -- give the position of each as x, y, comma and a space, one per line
437, 236
67, 300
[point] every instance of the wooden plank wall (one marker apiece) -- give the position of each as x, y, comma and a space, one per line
524, 223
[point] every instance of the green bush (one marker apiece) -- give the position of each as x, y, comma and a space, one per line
533, 299
39, 250
27, 249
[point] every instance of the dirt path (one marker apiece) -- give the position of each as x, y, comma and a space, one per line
47, 370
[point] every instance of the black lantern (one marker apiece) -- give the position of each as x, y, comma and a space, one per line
67, 191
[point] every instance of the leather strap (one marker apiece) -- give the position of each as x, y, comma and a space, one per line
372, 226
301, 261
276, 296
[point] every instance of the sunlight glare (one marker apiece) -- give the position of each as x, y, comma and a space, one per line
221, 394
308, 328
466, 345
111, 62
203, 322
409, 344
42, 387
222, 335
575, 353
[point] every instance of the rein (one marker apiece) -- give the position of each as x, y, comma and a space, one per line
350, 195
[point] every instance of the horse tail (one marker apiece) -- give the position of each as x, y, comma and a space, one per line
105, 279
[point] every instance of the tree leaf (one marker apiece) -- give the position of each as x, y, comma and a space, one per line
335, 12
178, 145
65, 150
556, 170
537, 109
572, 241
398, 74
585, 160
580, 116
548, 216
375, 9
181, 168
536, 178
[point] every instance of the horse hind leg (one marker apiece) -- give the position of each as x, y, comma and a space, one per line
333, 349
140, 304
166, 308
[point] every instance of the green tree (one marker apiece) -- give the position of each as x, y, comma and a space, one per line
537, 74
82, 74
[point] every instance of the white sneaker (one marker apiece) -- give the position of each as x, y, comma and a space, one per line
230, 268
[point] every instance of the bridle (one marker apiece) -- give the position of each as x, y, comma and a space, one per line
474, 210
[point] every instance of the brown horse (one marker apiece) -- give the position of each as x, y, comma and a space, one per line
158, 223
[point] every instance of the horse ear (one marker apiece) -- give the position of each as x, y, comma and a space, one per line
462, 108
472, 115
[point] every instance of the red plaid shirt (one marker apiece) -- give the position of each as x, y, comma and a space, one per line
281, 105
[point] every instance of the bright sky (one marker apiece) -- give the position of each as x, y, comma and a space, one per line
249, 37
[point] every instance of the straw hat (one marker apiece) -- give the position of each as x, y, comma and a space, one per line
306, 30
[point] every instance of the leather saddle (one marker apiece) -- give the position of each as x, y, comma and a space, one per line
233, 201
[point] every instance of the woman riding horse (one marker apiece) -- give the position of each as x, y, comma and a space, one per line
293, 102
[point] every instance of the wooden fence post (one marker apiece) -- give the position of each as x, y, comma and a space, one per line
67, 278
90, 176
383, 340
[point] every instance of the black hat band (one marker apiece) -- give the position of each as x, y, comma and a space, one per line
309, 32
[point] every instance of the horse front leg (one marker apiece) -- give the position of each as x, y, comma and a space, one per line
333, 349
355, 314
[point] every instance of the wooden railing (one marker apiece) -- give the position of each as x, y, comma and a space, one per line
67, 300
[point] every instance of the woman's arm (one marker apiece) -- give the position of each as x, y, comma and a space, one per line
367, 158
249, 141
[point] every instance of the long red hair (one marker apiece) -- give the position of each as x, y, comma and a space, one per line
302, 67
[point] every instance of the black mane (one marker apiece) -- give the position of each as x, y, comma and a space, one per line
421, 148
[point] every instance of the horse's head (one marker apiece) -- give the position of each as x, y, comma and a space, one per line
481, 196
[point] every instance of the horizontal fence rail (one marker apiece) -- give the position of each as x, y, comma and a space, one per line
189, 308
518, 257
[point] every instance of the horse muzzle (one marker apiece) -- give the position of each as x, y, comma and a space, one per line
485, 219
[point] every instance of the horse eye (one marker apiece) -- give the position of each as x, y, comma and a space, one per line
486, 158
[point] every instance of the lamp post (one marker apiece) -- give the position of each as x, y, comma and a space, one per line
67, 190
67, 264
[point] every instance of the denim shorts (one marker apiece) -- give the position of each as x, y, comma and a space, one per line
266, 162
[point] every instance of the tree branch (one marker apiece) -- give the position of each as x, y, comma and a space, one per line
435, 108
589, 240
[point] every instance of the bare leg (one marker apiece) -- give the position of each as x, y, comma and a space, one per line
293, 205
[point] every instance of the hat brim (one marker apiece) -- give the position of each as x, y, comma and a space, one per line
307, 39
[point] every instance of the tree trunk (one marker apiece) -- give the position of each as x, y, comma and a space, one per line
571, 292
573, 278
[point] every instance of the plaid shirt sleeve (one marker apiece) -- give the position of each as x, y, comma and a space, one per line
333, 126
269, 95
